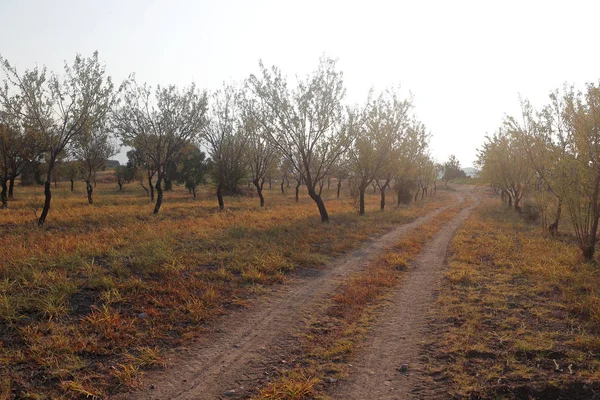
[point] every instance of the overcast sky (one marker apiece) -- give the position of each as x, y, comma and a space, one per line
465, 62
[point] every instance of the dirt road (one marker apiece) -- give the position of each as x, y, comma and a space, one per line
388, 366
228, 358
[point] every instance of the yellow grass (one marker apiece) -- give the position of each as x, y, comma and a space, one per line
89, 300
518, 317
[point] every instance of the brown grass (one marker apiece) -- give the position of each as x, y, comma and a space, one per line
333, 335
519, 315
90, 300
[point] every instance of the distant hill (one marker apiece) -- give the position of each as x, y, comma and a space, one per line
472, 172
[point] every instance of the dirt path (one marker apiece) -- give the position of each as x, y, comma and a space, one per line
388, 366
229, 356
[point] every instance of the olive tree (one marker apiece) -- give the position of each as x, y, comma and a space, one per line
306, 123
58, 108
159, 124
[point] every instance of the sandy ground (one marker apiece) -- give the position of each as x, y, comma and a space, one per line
237, 352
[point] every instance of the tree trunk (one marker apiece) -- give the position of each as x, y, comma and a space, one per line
220, 196
145, 188
194, 191
159, 194
47, 194
339, 187
270, 184
151, 188
328, 183
4, 193
282, 190
259, 189
120, 185
90, 191
361, 199
434, 187
416, 195
297, 189
11, 186
168, 185
423, 193
382, 193
320, 204
558, 213
72, 185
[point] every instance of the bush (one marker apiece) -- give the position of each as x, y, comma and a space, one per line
531, 212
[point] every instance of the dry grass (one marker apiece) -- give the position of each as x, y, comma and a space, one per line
89, 301
519, 317
333, 335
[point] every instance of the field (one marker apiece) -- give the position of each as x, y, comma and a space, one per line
109, 300
95, 296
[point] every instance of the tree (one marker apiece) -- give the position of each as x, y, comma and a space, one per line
261, 155
124, 173
304, 124
411, 147
159, 126
193, 167
582, 117
59, 109
226, 142
18, 148
72, 170
452, 169
92, 149
504, 163
376, 134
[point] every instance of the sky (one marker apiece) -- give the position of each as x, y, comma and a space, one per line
465, 62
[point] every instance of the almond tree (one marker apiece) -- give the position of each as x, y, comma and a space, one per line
58, 108
92, 150
261, 155
159, 124
376, 132
412, 145
17, 149
582, 116
304, 124
226, 141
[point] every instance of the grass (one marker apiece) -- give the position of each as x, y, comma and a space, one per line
333, 335
519, 315
93, 298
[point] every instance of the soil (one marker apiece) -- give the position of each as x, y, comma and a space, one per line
389, 364
238, 352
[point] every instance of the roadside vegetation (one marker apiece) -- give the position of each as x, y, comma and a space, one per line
517, 317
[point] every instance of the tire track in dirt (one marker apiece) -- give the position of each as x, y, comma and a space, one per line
227, 356
388, 366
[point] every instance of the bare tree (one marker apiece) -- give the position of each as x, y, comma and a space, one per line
59, 109
159, 126
304, 124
